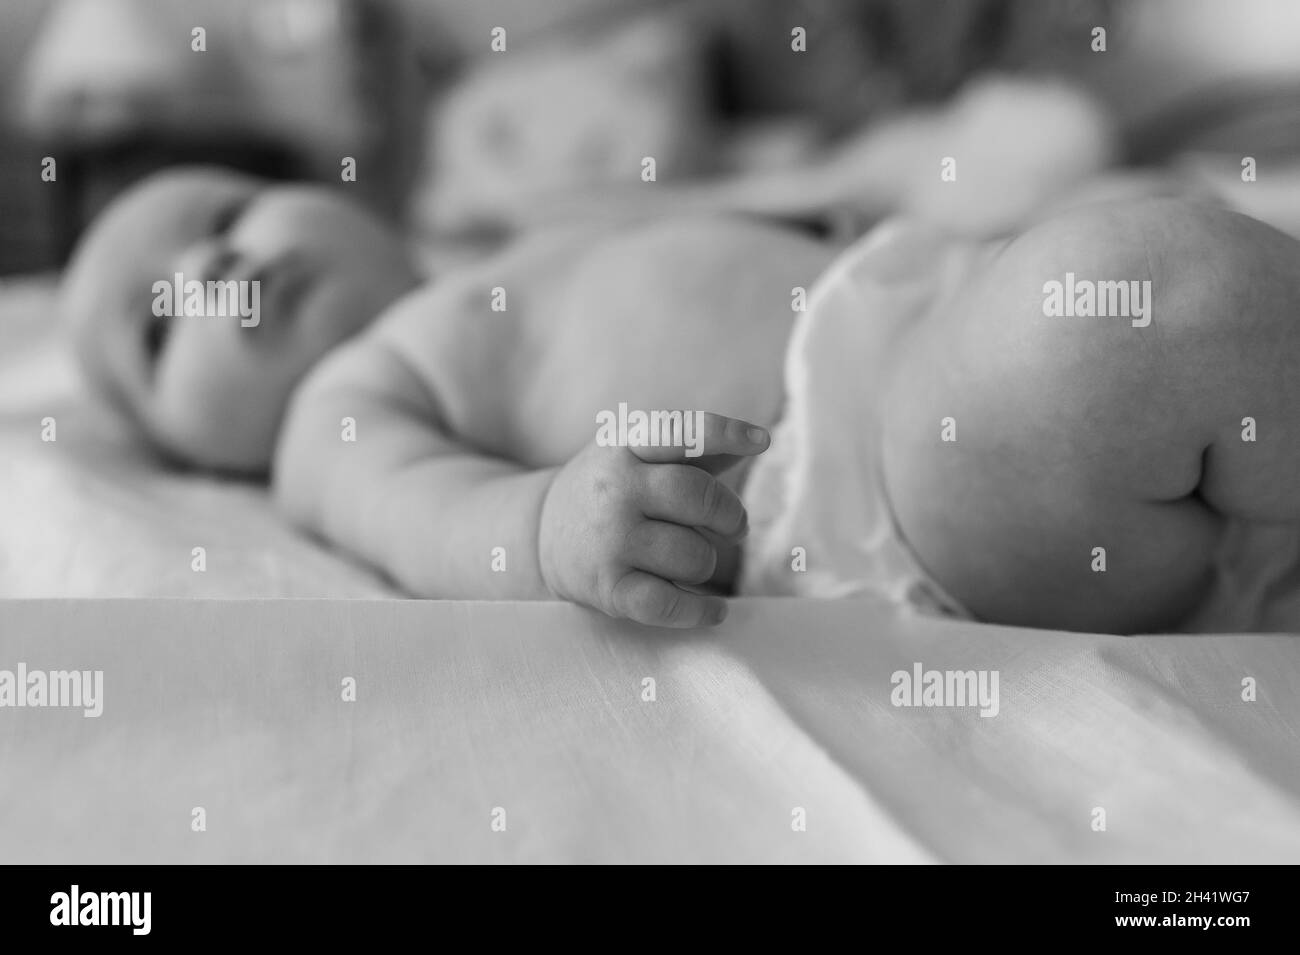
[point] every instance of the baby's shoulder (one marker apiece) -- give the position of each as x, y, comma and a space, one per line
704, 255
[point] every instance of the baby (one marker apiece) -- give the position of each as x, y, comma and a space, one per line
446, 432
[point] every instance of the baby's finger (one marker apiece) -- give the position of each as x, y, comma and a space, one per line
712, 442
671, 551
657, 603
694, 498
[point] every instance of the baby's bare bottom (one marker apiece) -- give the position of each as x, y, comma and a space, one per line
1084, 443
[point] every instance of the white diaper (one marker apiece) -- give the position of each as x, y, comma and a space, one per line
820, 522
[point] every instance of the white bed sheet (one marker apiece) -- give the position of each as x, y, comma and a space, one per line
538, 709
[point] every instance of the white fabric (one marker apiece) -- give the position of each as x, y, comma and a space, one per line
539, 709
819, 488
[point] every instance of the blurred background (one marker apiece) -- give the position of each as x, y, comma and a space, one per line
453, 138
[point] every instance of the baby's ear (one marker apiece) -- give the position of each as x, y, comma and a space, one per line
87, 315
73, 299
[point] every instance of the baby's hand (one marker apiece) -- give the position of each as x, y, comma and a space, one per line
623, 528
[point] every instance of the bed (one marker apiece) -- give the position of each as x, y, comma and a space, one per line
517, 732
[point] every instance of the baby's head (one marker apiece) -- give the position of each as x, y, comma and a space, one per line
210, 389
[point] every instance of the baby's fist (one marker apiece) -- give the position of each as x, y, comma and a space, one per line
623, 528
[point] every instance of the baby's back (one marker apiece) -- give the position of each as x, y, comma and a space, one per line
520, 353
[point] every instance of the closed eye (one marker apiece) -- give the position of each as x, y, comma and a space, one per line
229, 214
157, 328
156, 331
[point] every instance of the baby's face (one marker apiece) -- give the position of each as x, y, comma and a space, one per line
211, 389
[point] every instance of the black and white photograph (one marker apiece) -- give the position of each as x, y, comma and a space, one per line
652, 432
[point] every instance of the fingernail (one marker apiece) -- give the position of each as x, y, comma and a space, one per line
756, 435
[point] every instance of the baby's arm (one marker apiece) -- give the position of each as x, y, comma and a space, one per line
404, 495
615, 528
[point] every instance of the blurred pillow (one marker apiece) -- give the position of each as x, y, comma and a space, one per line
558, 117
323, 79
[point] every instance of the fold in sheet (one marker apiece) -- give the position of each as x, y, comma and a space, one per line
541, 710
